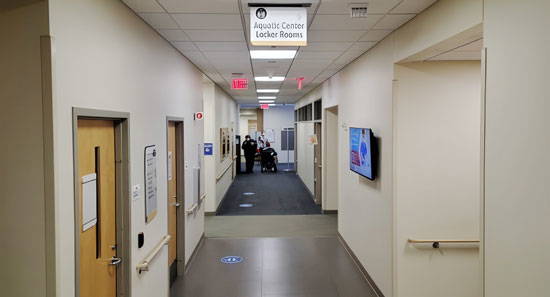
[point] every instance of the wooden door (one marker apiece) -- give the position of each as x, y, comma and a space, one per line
98, 254
172, 197
318, 166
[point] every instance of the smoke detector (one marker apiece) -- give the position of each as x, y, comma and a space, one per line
358, 10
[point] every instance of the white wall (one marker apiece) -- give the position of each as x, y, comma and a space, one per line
22, 202
437, 118
277, 118
330, 160
107, 58
304, 154
221, 111
363, 92
517, 160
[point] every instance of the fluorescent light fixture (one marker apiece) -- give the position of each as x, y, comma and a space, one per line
267, 90
267, 97
272, 104
272, 54
266, 101
269, 78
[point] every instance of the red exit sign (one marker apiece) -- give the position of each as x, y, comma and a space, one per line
264, 106
240, 84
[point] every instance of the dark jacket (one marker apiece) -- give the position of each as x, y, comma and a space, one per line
250, 147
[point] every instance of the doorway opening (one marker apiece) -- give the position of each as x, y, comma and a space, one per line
176, 197
102, 214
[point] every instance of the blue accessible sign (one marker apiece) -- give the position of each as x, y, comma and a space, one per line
208, 149
231, 259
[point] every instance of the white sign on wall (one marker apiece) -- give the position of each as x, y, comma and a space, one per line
282, 26
150, 183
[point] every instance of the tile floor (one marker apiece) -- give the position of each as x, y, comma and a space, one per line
273, 267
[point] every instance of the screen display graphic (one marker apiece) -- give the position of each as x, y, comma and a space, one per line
361, 154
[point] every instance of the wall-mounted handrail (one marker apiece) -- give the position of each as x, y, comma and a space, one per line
144, 264
192, 209
202, 198
223, 172
446, 242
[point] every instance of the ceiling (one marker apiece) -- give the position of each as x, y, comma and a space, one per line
213, 34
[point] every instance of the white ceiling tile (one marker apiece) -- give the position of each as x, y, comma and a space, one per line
361, 47
200, 6
311, 64
413, 6
185, 46
221, 46
219, 35
344, 22
227, 56
302, 55
144, 5
342, 6
375, 35
173, 34
326, 46
347, 58
334, 36
208, 21
159, 20
393, 21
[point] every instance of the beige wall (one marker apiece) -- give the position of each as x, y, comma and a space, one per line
330, 159
107, 58
517, 159
437, 139
363, 92
22, 202
304, 154
221, 112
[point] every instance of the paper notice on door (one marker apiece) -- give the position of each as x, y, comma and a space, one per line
89, 201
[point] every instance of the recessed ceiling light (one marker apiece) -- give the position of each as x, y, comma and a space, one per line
266, 101
267, 97
272, 54
267, 90
269, 78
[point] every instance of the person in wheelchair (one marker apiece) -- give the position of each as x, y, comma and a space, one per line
268, 158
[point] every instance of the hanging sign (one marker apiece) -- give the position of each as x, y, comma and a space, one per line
285, 26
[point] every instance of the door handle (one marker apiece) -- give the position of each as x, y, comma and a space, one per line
176, 204
115, 261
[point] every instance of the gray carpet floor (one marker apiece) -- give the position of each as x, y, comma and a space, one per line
281, 193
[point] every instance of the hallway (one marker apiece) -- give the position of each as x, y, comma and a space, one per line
281, 193
415, 131
273, 267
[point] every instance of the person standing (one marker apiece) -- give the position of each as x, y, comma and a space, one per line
250, 147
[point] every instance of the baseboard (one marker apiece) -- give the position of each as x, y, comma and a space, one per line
330, 211
194, 254
364, 272
209, 213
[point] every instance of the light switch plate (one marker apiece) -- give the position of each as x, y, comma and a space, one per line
136, 192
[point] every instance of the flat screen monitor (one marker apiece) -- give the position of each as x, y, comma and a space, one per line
361, 144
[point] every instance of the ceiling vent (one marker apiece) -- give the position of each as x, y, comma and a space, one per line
358, 10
